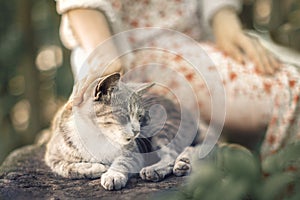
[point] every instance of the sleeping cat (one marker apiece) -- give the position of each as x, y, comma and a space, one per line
129, 136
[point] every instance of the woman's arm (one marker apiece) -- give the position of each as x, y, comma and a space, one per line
89, 26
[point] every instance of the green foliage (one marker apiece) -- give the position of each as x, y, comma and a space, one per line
286, 160
231, 172
284, 25
26, 28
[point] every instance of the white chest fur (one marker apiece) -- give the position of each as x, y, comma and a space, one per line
91, 144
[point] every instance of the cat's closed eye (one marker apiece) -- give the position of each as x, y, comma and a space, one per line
108, 123
123, 119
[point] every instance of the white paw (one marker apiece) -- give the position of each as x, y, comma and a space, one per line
182, 167
86, 170
152, 173
113, 180
91, 170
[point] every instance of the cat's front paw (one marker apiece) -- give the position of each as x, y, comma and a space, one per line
113, 180
182, 166
151, 174
87, 170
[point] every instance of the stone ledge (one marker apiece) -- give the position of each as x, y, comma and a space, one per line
23, 175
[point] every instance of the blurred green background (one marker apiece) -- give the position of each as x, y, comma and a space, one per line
35, 76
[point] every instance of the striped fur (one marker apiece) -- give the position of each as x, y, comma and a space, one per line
170, 140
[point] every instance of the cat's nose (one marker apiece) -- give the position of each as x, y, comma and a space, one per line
132, 135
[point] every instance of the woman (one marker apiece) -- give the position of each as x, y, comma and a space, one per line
259, 90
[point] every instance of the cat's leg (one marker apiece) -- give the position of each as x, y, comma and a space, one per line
117, 175
183, 165
161, 169
75, 169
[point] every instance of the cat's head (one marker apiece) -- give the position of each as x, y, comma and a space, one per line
119, 109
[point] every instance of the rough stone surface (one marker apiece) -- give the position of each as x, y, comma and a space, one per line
24, 175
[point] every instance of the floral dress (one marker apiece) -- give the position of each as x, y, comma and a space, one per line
253, 100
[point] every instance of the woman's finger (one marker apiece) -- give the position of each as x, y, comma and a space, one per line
264, 60
250, 51
261, 57
233, 51
274, 61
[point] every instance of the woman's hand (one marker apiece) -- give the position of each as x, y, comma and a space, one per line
231, 39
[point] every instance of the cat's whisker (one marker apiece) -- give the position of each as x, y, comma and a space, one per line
136, 135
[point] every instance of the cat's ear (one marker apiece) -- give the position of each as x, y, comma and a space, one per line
105, 86
143, 88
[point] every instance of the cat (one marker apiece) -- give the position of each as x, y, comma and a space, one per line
129, 136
